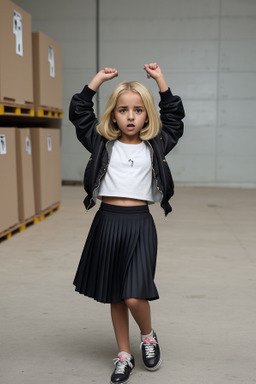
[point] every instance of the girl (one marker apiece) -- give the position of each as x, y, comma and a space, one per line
127, 171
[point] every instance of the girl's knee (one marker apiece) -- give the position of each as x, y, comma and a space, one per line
133, 303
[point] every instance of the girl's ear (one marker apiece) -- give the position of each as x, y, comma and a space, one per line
113, 117
146, 121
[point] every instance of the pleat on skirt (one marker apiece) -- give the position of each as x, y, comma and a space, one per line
119, 257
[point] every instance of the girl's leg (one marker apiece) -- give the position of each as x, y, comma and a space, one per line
120, 320
151, 354
140, 310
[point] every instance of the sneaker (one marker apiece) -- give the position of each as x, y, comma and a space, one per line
124, 368
151, 353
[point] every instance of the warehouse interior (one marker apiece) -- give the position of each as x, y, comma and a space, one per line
207, 246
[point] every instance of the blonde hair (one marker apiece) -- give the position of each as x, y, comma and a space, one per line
110, 130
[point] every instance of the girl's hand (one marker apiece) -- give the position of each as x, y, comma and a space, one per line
108, 74
153, 70
103, 75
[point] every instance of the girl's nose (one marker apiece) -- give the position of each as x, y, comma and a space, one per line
130, 115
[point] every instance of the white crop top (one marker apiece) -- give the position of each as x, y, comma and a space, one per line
129, 173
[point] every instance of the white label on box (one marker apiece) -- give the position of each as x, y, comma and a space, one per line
17, 30
3, 150
28, 145
51, 60
49, 143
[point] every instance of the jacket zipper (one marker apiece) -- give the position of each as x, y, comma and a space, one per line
105, 170
154, 174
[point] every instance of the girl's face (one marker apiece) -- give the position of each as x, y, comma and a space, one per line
130, 115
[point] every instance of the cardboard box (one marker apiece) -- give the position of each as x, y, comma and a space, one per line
8, 184
26, 197
47, 72
46, 167
16, 79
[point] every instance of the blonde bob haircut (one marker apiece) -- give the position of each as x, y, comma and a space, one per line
110, 130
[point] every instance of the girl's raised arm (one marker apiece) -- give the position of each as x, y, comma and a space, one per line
103, 75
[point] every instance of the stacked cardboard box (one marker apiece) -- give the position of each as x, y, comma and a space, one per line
47, 69
46, 166
30, 173
26, 196
30, 76
16, 79
8, 183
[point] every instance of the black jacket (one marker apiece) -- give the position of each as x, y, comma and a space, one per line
81, 114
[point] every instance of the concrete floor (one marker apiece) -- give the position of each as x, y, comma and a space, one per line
205, 318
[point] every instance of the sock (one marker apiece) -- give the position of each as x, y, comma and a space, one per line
149, 336
124, 356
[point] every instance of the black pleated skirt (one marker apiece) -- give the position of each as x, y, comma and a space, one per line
119, 257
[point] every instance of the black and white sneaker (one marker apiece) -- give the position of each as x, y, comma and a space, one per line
124, 368
151, 353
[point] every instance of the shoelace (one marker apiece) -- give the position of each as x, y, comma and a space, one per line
150, 347
121, 365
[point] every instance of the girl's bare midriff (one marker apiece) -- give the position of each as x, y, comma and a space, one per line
122, 201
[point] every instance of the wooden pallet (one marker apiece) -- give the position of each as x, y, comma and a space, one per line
16, 110
20, 227
48, 112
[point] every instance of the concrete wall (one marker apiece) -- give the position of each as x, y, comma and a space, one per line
207, 50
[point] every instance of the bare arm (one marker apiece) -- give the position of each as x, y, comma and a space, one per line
103, 75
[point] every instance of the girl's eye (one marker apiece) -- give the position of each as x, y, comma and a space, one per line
138, 110
122, 110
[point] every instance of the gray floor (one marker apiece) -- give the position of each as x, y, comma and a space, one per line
205, 318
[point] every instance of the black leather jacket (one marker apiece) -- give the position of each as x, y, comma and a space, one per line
81, 114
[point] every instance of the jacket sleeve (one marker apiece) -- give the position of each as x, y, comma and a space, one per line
171, 114
81, 114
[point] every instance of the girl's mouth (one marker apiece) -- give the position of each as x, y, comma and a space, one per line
130, 127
